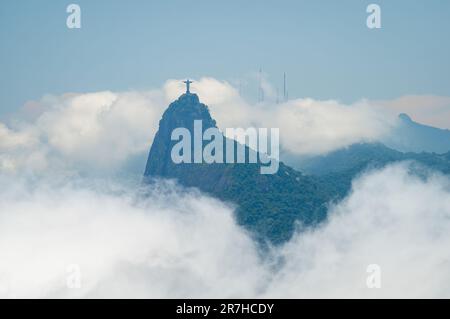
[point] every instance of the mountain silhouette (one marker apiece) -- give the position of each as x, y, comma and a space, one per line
410, 136
338, 169
269, 206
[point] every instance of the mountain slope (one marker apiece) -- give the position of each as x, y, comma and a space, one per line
410, 136
267, 205
339, 168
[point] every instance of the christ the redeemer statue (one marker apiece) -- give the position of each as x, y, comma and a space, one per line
187, 85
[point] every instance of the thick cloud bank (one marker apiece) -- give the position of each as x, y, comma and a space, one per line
109, 132
393, 219
177, 243
95, 132
307, 126
124, 244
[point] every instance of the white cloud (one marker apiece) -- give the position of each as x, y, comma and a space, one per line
102, 131
88, 132
178, 244
307, 126
124, 246
10, 139
102, 128
393, 219
310, 127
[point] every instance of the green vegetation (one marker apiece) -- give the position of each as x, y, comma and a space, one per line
270, 206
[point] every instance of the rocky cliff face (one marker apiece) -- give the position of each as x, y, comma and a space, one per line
180, 113
267, 205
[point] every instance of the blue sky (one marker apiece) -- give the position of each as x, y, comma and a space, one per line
324, 46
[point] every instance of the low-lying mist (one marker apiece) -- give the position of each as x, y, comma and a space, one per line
70, 238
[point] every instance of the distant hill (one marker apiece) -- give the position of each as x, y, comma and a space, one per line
339, 168
354, 157
426, 145
267, 205
364, 155
410, 136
